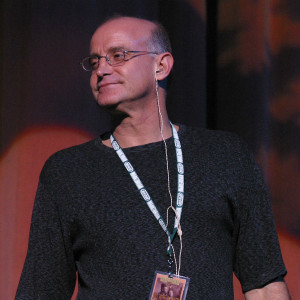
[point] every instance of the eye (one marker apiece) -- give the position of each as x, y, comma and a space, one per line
93, 62
116, 57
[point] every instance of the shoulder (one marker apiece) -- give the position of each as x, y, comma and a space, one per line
70, 159
73, 152
218, 150
213, 140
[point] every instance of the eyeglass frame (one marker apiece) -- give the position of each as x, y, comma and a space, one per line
138, 53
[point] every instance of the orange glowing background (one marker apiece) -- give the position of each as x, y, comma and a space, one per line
20, 167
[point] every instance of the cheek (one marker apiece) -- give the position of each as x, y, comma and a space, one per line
139, 73
93, 81
142, 78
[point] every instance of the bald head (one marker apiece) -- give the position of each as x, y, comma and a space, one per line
143, 60
155, 35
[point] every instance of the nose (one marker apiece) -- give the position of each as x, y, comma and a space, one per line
104, 67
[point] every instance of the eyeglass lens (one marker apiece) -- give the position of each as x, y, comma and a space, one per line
112, 57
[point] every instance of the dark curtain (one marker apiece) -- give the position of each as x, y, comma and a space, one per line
236, 68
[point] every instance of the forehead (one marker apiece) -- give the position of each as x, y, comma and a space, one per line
123, 32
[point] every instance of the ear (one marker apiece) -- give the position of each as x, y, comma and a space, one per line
164, 65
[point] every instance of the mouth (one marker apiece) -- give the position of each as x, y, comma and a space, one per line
104, 85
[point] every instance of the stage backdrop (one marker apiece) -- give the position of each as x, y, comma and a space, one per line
237, 68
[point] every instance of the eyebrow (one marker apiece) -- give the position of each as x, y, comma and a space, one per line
111, 49
117, 48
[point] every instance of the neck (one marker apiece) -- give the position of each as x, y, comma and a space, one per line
139, 122
145, 129
141, 129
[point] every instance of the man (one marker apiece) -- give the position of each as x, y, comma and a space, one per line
91, 212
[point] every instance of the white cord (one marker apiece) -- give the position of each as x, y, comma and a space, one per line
161, 125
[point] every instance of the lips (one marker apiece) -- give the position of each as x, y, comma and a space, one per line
105, 84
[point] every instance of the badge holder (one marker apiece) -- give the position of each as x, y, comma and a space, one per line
169, 287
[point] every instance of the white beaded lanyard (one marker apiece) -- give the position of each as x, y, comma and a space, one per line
144, 193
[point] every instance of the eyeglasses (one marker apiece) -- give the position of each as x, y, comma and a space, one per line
113, 58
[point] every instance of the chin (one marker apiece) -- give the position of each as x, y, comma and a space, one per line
108, 103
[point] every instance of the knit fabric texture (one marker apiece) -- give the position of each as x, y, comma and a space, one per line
89, 218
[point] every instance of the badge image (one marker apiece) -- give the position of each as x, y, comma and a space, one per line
165, 287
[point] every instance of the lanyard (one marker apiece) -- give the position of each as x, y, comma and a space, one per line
143, 191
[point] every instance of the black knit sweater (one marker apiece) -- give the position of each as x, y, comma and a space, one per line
89, 217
